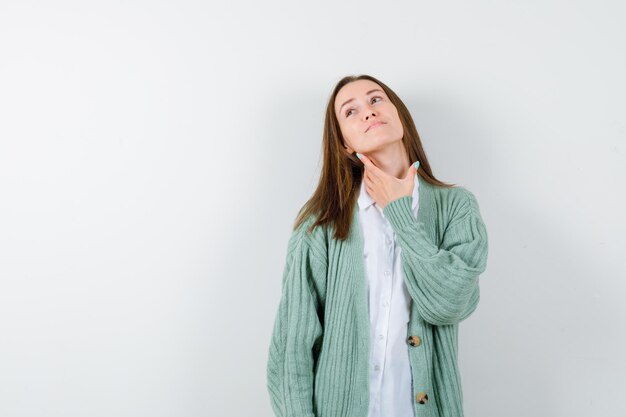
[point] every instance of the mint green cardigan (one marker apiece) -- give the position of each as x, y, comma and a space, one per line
318, 361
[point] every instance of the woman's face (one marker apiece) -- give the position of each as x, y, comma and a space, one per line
367, 119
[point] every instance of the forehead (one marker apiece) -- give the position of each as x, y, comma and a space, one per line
354, 89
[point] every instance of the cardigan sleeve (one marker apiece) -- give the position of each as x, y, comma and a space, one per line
442, 281
296, 335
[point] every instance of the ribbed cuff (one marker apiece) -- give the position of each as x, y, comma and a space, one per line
400, 215
399, 212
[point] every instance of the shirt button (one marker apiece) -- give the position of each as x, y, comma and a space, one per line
387, 273
381, 337
421, 398
388, 242
414, 340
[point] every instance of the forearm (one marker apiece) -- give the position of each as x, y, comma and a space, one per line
443, 282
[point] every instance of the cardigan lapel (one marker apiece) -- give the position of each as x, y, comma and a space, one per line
354, 249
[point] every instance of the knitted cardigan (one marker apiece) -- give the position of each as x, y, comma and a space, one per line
318, 361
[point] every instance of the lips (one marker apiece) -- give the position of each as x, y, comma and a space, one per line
374, 125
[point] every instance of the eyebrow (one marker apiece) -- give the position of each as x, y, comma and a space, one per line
369, 92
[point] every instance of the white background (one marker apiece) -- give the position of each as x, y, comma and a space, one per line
154, 154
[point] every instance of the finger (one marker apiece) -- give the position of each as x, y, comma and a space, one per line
411, 171
369, 164
371, 178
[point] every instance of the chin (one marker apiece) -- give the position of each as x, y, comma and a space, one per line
380, 141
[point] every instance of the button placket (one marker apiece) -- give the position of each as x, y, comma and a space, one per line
385, 297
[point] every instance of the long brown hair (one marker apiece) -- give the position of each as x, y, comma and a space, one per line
336, 194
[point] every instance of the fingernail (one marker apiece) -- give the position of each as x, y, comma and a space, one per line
358, 155
417, 164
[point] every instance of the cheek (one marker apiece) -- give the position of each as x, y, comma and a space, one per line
399, 128
347, 137
397, 124
349, 131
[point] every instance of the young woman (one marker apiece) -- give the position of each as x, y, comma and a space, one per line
382, 266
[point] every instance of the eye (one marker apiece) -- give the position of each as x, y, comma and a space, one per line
349, 110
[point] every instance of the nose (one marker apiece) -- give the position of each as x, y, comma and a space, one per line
368, 114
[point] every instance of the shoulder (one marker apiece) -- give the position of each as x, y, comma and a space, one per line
307, 250
308, 242
466, 198
457, 202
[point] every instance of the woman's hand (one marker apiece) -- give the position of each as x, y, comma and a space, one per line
385, 188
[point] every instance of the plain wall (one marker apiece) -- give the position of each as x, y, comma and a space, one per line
154, 154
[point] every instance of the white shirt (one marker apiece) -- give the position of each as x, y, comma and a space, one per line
391, 391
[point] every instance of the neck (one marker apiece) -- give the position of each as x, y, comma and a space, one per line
392, 159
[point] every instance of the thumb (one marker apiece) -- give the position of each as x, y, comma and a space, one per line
412, 170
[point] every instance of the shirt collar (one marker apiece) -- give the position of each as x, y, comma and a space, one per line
365, 200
